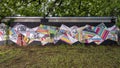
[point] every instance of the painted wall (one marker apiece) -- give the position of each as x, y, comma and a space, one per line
23, 35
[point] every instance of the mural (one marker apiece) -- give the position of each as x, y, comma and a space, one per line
23, 36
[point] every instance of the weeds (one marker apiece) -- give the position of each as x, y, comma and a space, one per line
60, 56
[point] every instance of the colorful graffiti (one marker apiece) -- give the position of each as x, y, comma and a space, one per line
23, 36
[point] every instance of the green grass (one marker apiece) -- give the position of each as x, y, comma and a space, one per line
61, 56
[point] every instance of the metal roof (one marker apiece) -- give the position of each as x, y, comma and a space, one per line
61, 19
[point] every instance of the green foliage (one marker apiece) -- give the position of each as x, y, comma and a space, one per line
60, 8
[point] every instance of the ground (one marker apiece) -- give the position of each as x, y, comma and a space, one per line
60, 56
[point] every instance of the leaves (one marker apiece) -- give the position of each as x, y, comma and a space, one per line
60, 8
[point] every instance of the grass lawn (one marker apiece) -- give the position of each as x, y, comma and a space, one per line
61, 56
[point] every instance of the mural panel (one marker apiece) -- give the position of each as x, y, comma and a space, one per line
45, 34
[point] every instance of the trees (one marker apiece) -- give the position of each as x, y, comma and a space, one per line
60, 8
